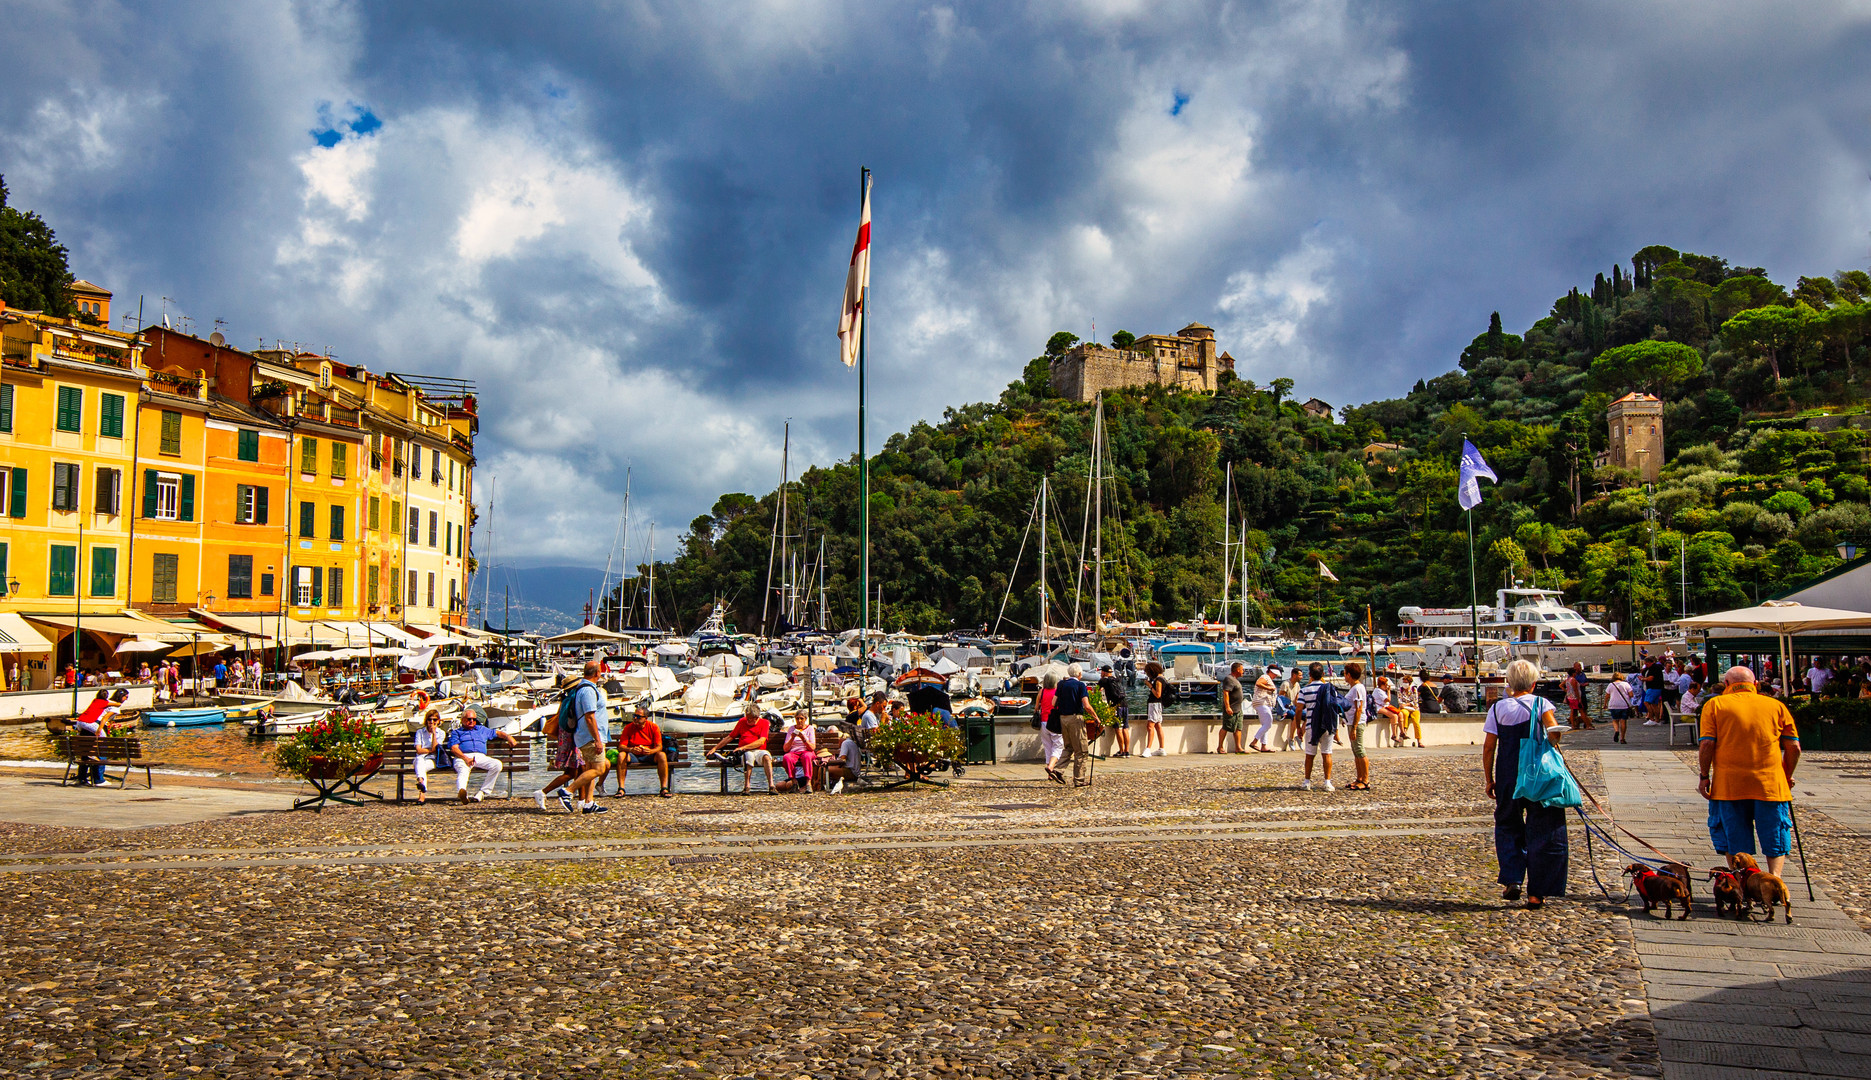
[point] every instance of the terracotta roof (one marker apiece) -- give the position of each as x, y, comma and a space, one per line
1635, 396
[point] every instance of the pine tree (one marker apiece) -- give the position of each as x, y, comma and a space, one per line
33, 271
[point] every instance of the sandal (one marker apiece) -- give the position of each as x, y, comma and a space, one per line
1535, 903
668, 794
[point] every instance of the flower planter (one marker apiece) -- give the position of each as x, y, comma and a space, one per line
1823, 736
321, 768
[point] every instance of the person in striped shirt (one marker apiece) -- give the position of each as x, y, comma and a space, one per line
1306, 711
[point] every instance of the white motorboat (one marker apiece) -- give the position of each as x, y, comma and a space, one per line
1532, 622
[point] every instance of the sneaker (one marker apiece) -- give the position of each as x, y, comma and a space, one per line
1653, 723
540, 798
1328, 786
594, 808
1306, 784
479, 796
565, 800
838, 787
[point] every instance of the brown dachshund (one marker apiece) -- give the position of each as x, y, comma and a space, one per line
1728, 896
1655, 888
1765, 889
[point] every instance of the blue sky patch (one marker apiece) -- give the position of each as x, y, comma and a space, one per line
331, 131
1181, 99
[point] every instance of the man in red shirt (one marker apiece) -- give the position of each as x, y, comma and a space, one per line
641, 743
98, 721
749, 739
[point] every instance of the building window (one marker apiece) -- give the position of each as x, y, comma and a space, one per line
70, 409
412, 589
435, 467
171, 432
302, 586
415, 462
374, 522
434, 518
373, 582
6, 408
415, 531
318, 585
103, 571
337, 522
109, 489
396, 514
339, 460
448, 540
240, 577
3, 557
307, 517
62, 570
454, 598
165, 567
266, 584
250, 504
337, 588
451, 474
166, 493
13, 487
431, 602
110, 417
308, 457
247, 445
64, 486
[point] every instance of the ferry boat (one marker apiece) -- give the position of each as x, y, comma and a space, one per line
1534, 623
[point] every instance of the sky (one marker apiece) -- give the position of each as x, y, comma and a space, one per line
629, 221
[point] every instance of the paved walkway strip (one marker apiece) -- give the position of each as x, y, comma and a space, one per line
1740, 1000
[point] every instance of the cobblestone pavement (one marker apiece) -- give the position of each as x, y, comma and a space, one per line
1278, 951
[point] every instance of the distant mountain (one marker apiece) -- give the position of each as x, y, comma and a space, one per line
548, 599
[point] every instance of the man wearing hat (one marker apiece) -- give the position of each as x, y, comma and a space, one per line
1113, 692
1266, 698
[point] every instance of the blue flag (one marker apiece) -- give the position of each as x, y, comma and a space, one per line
1474, 467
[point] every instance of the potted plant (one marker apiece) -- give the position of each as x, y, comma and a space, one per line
1832, 723
917, 738
335, 746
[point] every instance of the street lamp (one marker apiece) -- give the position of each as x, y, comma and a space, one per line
1848, 550
12, 585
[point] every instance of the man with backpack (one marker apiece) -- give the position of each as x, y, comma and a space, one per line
591, 721
1318, 708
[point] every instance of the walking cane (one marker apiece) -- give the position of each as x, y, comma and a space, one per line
1801, 845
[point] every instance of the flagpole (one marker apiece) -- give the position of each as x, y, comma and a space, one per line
1474, 617
864, 467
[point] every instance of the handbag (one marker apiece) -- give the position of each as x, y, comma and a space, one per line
1544, 778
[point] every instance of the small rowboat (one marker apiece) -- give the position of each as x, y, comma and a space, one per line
169, 718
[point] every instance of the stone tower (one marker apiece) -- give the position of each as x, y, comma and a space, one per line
1636, 435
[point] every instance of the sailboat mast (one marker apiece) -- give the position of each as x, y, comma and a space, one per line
822, 616
1227, 489
786, 475
623, 551
1043, 500
1097, 517
650, 604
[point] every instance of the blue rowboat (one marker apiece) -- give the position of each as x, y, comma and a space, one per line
168, 718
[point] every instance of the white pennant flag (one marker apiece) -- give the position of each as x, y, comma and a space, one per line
1326, 573
857, 279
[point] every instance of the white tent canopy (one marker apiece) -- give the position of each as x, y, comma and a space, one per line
1783, 619
588, 634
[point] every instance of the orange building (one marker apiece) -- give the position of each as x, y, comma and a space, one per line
244, 526
167, 491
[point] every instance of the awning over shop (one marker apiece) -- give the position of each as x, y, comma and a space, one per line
263, 630
394, 635
16, 635
435, 636
125, 625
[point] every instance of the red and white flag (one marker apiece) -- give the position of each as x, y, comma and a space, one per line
851, 320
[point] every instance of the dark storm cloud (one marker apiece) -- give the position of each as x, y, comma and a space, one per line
629, 221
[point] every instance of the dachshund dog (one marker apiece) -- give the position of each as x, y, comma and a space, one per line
1655, 888
1727, 891
1765, 889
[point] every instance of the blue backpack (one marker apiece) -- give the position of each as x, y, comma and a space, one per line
1323, 716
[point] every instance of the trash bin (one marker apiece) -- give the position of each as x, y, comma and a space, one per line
978, 733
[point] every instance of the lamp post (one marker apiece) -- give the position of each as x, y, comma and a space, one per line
1848, 550
12, 586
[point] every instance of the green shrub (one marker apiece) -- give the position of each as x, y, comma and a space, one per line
1825, 710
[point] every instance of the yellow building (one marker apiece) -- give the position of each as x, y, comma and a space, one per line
168, 489
67, 437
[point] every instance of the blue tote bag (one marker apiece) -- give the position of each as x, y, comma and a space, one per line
1544, 777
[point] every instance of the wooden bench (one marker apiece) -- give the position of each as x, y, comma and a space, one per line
399, 760
83, 751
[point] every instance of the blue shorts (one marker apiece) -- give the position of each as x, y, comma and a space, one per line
1718, 836
1651, 697
1745, 819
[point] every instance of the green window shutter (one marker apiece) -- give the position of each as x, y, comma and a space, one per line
306, 510
110, 417
308, 457
318, 586
337, 523
6, 408
376, 511
185, 505
3, 556
164, 567
63, 567
103, 571
70, 409
242, 493
373, 578
337, 587
17, 494
338, 460
259, 505
249, 448
149, 493
171, 432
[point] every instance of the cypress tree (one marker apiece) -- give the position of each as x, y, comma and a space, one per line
1598, 289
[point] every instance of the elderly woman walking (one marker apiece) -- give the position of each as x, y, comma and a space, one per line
1529, 839
1051, 732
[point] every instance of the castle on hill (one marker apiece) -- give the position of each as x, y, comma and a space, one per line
1185, 359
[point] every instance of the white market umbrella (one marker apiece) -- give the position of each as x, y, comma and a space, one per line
135, 645
1783, 619
319, 654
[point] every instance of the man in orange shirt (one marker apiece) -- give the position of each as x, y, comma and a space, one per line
1749, 748
641, 743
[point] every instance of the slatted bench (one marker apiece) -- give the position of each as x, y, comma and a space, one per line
399, 760
676, 747
81, 751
